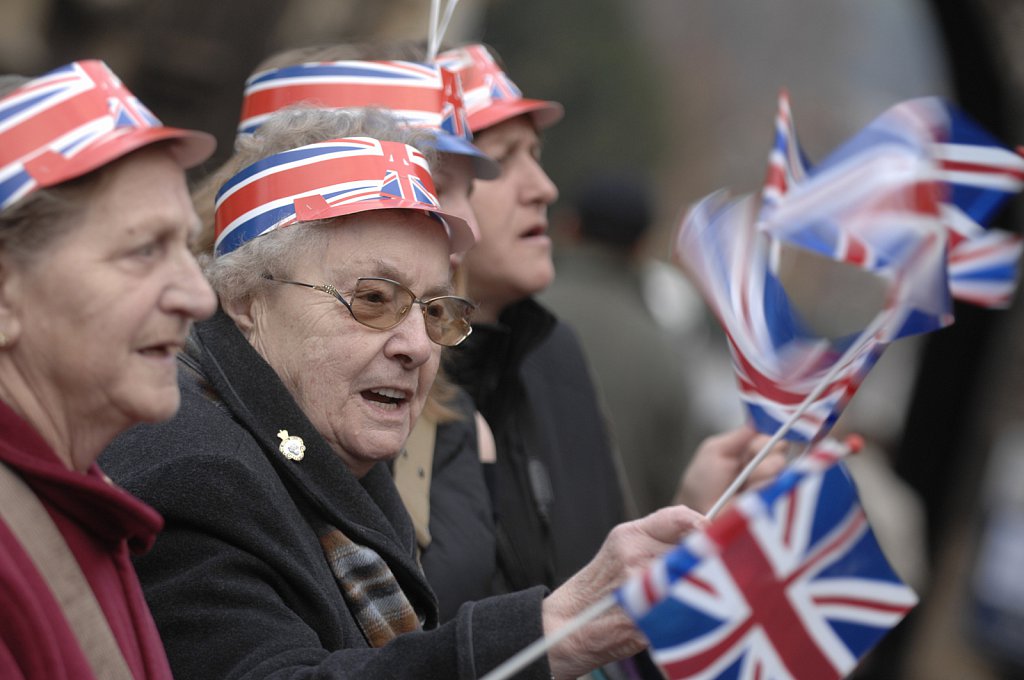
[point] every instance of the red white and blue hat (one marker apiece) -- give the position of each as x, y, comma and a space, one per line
491, 96
329, 179
73, 120
421, 95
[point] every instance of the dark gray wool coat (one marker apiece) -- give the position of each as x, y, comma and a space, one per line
237, 581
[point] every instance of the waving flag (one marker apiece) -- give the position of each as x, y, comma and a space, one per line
777, 359
789, 583
975, 176
904, 201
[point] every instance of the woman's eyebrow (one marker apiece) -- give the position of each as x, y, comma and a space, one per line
389, 271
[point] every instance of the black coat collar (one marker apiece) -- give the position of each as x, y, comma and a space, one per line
369, 510
487, 363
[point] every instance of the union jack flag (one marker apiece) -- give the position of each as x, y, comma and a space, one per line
975, 176
54, 120
357, 173
777, 360
788, 583
423, 95
899, 200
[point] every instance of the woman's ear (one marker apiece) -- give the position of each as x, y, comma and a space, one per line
242, 312
11, 291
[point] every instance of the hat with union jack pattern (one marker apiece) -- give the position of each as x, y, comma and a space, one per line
490, 95
420, 95
329, 179
76, 119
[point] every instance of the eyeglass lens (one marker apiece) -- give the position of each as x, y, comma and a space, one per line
382, 304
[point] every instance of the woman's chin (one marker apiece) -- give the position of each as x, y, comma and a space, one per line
157, 406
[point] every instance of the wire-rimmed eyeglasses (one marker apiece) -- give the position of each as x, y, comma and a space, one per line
381, 304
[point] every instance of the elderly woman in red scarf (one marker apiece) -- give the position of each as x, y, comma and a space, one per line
98, 291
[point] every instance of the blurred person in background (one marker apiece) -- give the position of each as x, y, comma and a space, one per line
639, 374
98, 290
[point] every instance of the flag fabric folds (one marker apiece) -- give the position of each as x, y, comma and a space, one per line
906, 200
777, 360
788, 583
972, 176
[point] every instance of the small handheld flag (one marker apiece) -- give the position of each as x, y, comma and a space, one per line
789, 583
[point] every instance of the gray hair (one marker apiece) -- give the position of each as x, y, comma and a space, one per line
239, 275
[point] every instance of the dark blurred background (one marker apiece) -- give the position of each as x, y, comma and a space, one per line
684, 94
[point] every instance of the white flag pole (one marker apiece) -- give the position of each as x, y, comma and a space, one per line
879, 321
435, 9
449, 10
538, 648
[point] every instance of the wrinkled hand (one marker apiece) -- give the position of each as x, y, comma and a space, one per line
720, 459
611, 636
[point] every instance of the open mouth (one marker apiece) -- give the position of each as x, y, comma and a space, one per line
536, 231
386, 397
160, 351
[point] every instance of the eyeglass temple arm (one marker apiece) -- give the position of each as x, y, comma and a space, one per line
323, 287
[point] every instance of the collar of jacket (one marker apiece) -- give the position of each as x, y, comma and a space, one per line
369, 510
488, 361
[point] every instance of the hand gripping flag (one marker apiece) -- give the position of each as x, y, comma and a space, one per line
788, 583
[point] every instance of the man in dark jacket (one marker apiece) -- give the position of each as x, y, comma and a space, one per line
556, 485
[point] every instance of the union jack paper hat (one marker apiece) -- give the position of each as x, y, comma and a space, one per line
329, 179
422, 95
491, 96
74, 120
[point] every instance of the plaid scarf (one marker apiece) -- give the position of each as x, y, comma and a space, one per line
371, 592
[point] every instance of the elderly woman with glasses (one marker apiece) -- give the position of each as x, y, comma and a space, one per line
287, 552
438, 474
98, 290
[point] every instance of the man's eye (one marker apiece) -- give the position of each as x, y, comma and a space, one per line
149, 250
